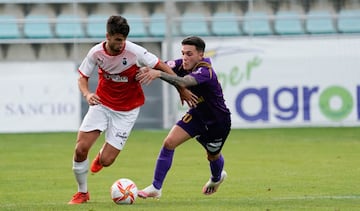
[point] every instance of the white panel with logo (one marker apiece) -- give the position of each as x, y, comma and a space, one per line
39, 97
272, 82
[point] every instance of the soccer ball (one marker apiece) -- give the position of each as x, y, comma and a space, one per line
124, 191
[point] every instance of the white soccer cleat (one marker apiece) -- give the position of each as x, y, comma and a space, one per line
149, 192
211, 187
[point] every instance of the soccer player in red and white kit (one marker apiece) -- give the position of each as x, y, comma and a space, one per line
115, 105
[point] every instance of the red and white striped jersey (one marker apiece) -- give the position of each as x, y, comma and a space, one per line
117, 87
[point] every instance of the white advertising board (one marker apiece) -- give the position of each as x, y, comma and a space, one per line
287, 82
39, 97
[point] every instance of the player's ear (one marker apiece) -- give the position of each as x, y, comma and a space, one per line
201, 54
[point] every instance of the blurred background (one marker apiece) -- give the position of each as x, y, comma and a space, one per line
282, 63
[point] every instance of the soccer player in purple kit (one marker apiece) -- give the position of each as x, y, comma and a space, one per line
209, 121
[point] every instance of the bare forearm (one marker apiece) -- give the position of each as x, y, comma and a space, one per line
83, 86
165, 68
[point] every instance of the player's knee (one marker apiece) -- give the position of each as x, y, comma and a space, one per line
212, 157
81, 152
169, 144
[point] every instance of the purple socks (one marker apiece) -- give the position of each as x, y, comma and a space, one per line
164, 162
216, 168
163, 165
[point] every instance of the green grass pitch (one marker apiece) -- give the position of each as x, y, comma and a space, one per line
268, 169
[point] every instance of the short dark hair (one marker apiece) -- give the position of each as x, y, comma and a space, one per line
196, 41
117, 24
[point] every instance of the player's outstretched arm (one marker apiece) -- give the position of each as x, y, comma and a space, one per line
177, 81
146, 75
185, 94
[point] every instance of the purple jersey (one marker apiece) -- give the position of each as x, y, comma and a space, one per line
211, 107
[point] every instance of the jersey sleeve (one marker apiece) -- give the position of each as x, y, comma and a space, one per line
144, 57
202, 74
175, 65
88, 65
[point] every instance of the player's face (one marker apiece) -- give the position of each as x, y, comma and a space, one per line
115, 43
190, 56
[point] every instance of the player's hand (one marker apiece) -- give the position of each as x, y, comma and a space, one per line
146, 75
92, 99
187, 96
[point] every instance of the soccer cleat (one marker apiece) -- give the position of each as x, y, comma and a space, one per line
96, 165
80, 198
211, 187
149, 192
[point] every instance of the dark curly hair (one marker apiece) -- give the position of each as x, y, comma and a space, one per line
117, 24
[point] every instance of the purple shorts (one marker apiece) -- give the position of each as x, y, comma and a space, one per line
211, 136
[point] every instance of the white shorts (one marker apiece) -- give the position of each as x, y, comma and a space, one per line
116, 124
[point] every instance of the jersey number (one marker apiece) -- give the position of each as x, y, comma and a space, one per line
187, 118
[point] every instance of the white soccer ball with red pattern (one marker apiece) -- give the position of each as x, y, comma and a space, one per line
124, 191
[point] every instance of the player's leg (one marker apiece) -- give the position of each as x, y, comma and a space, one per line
213, 141
84, 142
218, 174
104, 158
94, 122
81, 164
189, 126
176, 136
120, 126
